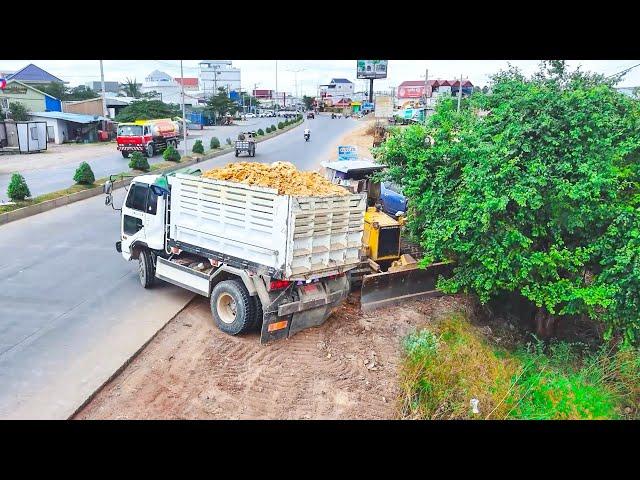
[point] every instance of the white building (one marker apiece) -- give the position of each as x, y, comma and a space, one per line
218, 73
337, 89
167, 88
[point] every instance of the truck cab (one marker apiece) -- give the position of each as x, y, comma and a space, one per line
142, 223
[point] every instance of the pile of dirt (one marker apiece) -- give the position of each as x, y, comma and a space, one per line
283, 176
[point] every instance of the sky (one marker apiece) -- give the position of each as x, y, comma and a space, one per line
312, 72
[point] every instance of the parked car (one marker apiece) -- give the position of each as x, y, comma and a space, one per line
391, 199
250, 115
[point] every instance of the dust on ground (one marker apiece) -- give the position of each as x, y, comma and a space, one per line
345, 369
54, 156
283, 176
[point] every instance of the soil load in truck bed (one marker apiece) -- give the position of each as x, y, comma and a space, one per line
283, 176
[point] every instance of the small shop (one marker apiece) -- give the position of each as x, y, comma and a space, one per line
71, 127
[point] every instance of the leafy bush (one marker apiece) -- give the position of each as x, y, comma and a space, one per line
171, 154
260, 132
84, 174
533, 189
280, 125
198, 147
137, 161
18, 189
228, 141
214, 143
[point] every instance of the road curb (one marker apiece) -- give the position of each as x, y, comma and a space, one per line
47, 205
128, 361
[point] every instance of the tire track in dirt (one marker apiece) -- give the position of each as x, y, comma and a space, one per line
344, 369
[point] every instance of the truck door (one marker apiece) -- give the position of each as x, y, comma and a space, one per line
154, 224
134, 216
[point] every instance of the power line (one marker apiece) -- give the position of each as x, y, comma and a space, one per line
624, 71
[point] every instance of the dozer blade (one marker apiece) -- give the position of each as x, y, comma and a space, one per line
389, 288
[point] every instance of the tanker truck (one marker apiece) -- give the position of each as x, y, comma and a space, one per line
147, 136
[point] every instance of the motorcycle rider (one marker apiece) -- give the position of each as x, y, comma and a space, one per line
307, 132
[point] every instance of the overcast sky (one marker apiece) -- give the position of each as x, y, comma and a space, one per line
263, 72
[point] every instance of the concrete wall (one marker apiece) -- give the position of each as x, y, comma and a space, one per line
60, 128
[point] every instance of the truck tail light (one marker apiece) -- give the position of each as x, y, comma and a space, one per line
278, 284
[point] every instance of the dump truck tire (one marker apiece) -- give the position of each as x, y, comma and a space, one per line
232, 307
257, 318
125, 154
146, 270
150, 151
237, 153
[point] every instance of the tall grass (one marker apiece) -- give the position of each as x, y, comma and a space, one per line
449, 364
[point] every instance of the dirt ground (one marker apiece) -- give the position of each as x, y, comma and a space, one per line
344, 369
56, 155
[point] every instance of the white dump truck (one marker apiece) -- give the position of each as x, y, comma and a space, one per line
274, 262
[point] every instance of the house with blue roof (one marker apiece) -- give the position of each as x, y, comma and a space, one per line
34, 75
63, 127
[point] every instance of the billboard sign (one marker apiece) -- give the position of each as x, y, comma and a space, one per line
347, 152
411, 91
384, 106
372, 68
367, 106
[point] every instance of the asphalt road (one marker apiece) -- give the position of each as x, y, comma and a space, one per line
72, 310
56, 178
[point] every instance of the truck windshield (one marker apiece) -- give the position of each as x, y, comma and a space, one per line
129, 130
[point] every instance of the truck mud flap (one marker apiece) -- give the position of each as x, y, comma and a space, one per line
391, 288
316, 303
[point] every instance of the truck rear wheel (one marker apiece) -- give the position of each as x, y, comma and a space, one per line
233, 309
146, 270
125, 154
237, 153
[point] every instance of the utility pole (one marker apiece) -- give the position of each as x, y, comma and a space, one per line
105, 113
277, 85
459, 93
426, 84
184, 121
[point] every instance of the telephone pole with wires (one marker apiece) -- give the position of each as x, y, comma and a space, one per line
184, 120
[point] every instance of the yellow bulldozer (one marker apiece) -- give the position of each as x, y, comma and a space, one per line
389, 271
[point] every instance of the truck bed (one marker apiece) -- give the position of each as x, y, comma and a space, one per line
295, 238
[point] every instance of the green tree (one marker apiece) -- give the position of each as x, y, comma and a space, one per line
170, 154
130, 88
147, 110
214, 143
18, 189
280, 125
55, 89
84, 175
198, 147
220, 104
260, 132
18, 112
308, 102
539, 198
80, 92
139, 162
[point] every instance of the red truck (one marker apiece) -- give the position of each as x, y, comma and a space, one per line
147, 136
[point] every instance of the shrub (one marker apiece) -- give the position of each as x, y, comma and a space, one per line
84, 174
532, 190
228, 141
260, 131
18, 189
198, 147
215, 143
171, 154
137, 161
280, 125
273, 128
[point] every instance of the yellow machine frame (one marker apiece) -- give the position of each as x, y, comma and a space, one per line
381, 235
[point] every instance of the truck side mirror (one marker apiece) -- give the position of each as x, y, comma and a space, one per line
107, 187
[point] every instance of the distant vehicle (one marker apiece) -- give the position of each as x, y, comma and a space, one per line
147, 136
310, 115
391, 199
250, 115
